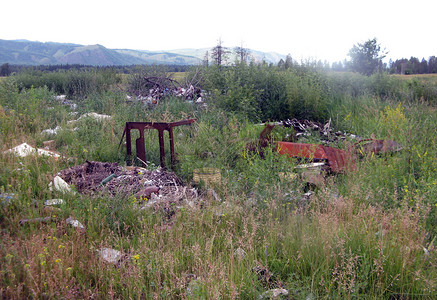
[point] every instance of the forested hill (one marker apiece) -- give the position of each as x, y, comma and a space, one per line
24, 52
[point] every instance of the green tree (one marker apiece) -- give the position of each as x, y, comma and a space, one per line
288, 62
242, 53
219, 53
432, 64
5, 70
366, 58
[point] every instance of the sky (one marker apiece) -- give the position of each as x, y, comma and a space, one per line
305, 29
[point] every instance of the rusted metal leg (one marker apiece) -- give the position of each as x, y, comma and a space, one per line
141, 147
128, 144
173, 160
161, 147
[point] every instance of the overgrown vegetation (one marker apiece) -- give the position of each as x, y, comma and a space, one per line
370, 233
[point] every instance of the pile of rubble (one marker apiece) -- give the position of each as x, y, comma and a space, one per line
64, 101
145, 187
156, 88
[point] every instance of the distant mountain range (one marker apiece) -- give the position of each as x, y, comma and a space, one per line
24, 52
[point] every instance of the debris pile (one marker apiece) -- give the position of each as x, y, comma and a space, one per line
337, 160
307, 128
267, 278
328, 135
87, 177
157, 188
156, 88
67, 102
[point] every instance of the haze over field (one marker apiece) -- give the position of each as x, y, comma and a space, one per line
316, 29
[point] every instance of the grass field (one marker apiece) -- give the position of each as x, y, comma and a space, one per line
369, 233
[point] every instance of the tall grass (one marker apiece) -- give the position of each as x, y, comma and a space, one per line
369, 233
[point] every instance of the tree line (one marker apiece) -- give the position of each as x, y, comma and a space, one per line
365, 58
413, 66
7, 69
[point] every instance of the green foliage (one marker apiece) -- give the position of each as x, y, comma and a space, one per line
307, 96
366, 58
261, 92
74, 83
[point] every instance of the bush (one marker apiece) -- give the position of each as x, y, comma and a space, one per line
76, 84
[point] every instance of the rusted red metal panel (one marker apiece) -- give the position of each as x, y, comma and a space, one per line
309, 151
338, 160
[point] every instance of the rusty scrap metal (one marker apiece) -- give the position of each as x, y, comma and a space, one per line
338, 160
140, 144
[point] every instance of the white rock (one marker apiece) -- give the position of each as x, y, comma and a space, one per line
61, 97
54, 202
110, 255
95, 116
58, 184
273, 294
51, 131
25, 149
240, 253
74, 223
425, 251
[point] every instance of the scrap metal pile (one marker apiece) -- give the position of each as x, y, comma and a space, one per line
327, 156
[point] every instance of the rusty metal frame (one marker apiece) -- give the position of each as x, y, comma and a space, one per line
140, 143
